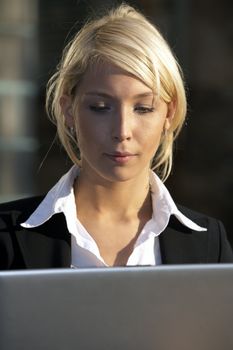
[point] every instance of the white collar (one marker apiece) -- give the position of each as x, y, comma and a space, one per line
163, 203
60, 199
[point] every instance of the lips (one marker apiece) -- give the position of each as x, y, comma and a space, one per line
121, 154
120, 157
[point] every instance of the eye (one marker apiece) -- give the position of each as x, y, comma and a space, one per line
99, 108
144, 109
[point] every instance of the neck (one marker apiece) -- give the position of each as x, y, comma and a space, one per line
120, 200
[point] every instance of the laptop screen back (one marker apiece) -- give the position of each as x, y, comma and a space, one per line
159, 308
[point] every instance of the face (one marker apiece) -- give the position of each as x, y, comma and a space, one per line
119, 124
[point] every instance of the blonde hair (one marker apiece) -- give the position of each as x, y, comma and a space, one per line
127, 39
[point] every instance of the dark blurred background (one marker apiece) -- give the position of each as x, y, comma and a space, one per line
32, 36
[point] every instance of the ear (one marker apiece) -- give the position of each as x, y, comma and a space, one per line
66, 107
170, 114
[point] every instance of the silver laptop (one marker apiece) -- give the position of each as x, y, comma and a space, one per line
147, 308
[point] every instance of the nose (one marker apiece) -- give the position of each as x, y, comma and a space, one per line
122, 126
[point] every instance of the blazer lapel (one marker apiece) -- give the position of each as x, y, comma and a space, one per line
181, 245
46, 246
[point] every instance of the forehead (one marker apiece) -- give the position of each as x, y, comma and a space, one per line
108, 76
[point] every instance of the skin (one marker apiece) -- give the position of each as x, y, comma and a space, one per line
119, 125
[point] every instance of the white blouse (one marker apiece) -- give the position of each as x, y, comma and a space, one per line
84, 250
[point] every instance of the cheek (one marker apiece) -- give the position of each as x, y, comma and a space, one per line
89, 132
153, 144
151, 137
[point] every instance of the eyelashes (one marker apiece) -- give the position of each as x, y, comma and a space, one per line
143, 109
99, 109
107, 108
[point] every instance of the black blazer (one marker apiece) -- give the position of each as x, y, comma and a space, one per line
49, 245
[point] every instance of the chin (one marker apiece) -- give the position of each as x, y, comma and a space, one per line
120, 175
98, 172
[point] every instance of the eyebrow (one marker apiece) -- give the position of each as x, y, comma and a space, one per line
103, 94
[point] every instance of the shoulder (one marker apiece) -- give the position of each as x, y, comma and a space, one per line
12, 214
215, 236
31, 247
213, 226
199, 218
21, 208
22, 203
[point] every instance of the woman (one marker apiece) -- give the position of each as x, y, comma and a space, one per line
118, 101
